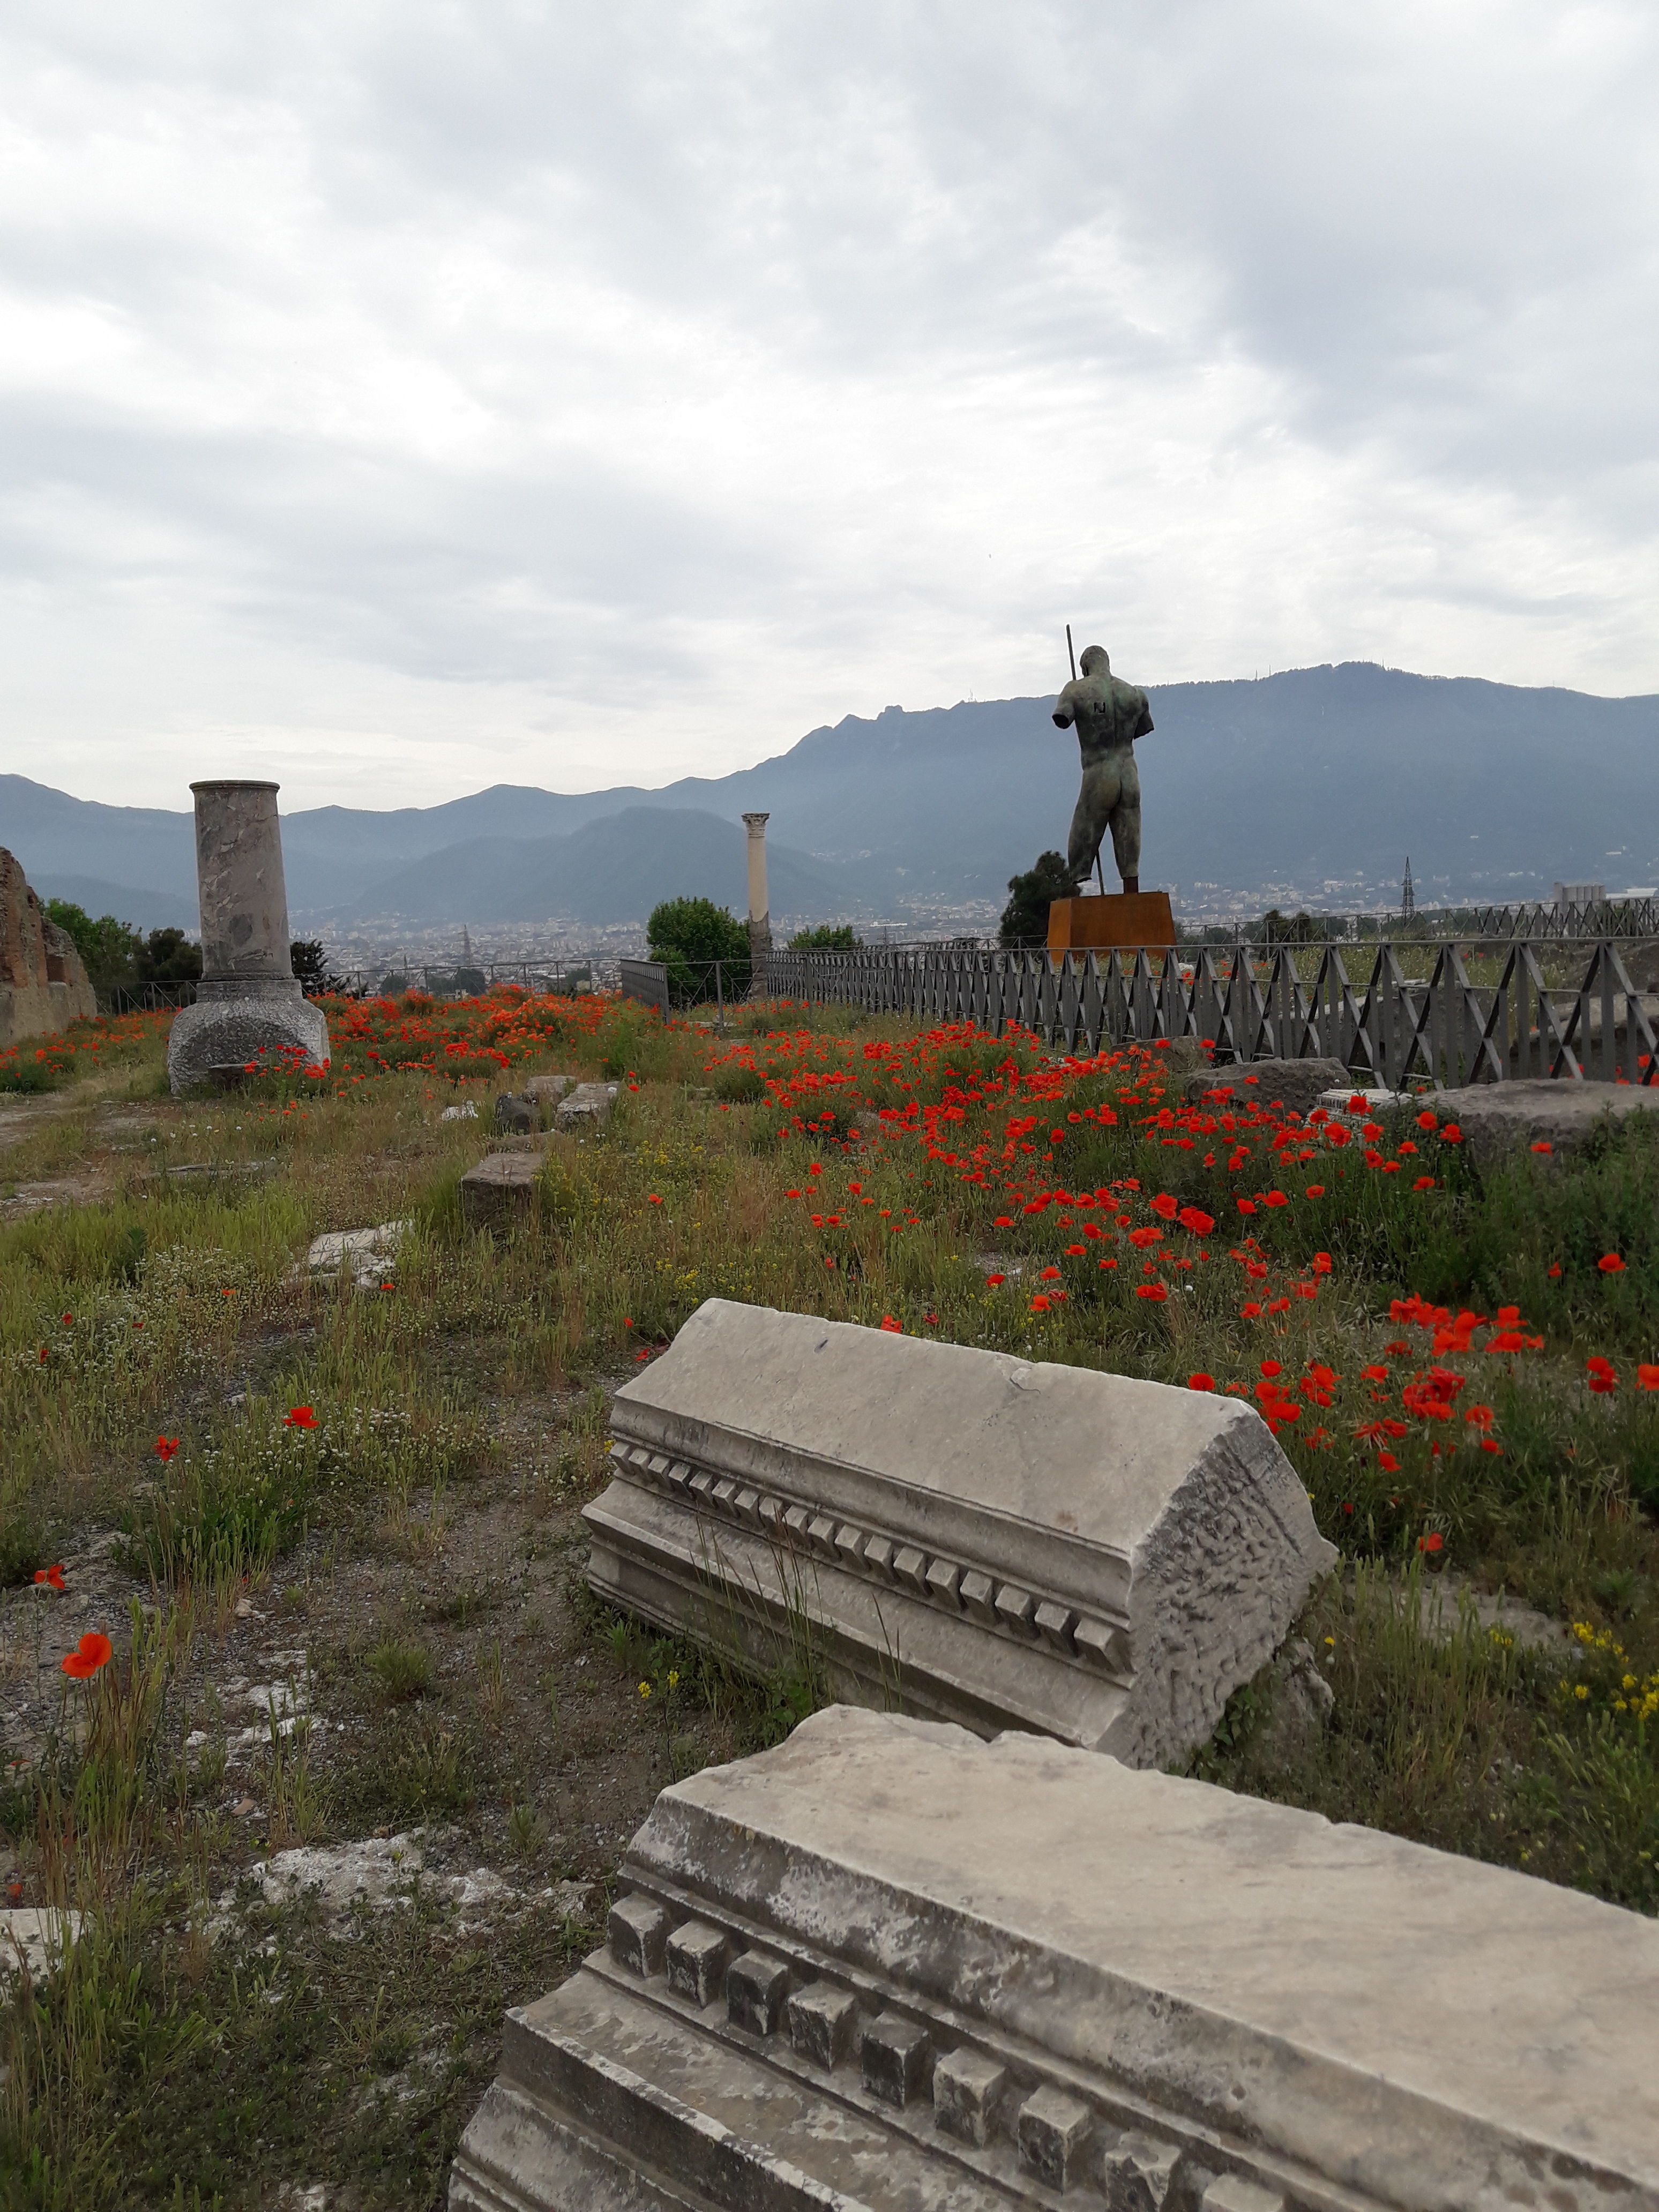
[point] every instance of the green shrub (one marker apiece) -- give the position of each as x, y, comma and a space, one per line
689, 935
828, 937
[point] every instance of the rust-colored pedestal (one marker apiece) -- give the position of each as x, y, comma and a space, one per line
1120, 919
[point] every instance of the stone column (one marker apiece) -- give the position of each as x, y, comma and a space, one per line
249, 1009
760, 916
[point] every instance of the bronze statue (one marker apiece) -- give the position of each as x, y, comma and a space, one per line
1110, 716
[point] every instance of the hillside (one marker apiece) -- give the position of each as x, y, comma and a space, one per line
1313, 784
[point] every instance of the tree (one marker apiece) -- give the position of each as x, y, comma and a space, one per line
1026, 917
109, 949
310, 964
688, 935
1283, 929
167, 956
828, 937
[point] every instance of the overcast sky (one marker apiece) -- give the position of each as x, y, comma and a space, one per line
397, 399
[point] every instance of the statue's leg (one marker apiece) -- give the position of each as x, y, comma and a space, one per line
1088, 828
1126, 826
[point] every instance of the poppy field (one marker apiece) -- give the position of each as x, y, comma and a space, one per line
227, 1478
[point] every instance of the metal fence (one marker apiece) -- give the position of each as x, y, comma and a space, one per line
546, 978
1277, 1002
672, 985
151, 997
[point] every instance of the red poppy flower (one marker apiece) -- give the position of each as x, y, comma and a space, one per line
299, 1417
1389, 1464
1451, 1134
1250, 1313
91, 1653
1201, 1382
1543, 1146
1555, 1270
1271, 1367
896, 1327
994, 1282
1003, 1221
1434, 1541
1039, 1305
53, 1576
1193, 1217
1426, 1120
653, 1199
69, 1321
1154, 1291
1646, 1378
1164, 1206
1611, 1264
166, 1447
1423, 1183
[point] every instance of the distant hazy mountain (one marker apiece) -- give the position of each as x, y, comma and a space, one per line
613, 871
1310, 777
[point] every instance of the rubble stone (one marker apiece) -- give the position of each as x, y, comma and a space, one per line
547, 1090
1123, 1986
1502, 1121
1299, 1083
587, 1107
975, 1537
499, 1194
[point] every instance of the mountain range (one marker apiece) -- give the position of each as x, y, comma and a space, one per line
1313, 784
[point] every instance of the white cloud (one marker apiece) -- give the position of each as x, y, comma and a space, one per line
399, 400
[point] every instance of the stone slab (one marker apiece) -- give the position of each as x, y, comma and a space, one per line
1300, 1084
1070, 1982
499, 1194
1502, 1121
974, 1537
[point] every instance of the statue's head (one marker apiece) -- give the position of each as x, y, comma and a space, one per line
1094, 656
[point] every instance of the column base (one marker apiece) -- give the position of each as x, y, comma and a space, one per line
232, 1025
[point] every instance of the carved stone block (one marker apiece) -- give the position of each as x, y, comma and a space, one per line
970, 1537
1122, 1990
966, 2087
1053, 2131
822, 2020
893, 2059
756, 1986
1138, 2172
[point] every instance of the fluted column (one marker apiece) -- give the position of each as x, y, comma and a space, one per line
760, 915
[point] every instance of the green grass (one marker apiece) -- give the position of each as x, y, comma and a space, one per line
142, 2073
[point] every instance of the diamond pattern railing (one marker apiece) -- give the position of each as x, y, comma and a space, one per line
1257, 1003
